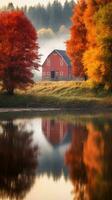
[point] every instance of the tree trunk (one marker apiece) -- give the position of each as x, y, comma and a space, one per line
10, 91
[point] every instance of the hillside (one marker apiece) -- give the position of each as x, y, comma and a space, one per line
76, 95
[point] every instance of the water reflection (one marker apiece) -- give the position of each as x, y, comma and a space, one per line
18, 161
70, 153
74, 161
55, 130
58, 135
89, 161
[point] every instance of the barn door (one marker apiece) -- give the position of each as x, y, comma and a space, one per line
53, 74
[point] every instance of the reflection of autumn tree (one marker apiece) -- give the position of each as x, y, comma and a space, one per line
74, 161
93, 149
18, 161
97, 158
90, 163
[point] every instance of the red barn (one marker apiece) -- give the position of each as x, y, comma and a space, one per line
57, 66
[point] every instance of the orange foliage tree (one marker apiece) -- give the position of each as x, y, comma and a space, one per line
76, 45
92, 6
98, 58
18, 50
90, 43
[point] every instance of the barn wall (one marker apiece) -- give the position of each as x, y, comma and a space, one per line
56, 63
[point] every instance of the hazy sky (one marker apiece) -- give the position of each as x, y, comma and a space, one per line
25, 2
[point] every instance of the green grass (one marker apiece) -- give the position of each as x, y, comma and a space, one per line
77, 95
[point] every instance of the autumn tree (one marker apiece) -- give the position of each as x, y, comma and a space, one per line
89, 47
18, 50
92, 6
98, 58
76, 45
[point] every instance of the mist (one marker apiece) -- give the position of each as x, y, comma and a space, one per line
48, 41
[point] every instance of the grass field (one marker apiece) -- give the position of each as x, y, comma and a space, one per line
75, 95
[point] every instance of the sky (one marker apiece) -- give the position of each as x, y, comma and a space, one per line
25, 2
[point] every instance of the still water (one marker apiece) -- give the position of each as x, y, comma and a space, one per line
53, 157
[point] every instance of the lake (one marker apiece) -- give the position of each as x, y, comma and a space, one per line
55, 156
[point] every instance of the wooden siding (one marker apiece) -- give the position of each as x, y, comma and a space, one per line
55, 63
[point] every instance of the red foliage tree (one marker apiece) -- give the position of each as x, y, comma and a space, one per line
18, 50
76, 45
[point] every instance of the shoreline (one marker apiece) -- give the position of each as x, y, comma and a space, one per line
77, 109
11, 113
5, 110
79, 97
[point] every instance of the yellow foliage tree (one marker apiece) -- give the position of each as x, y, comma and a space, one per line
93, 66
97, 59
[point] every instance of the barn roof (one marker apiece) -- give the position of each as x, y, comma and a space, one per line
64, 55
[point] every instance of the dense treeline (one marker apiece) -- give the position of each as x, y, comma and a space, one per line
52, 16
90, 44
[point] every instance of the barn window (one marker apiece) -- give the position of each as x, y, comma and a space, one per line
61, 73
54, 54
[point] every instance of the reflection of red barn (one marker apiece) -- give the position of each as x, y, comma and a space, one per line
54, 130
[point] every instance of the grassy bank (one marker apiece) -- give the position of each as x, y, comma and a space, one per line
60, 94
